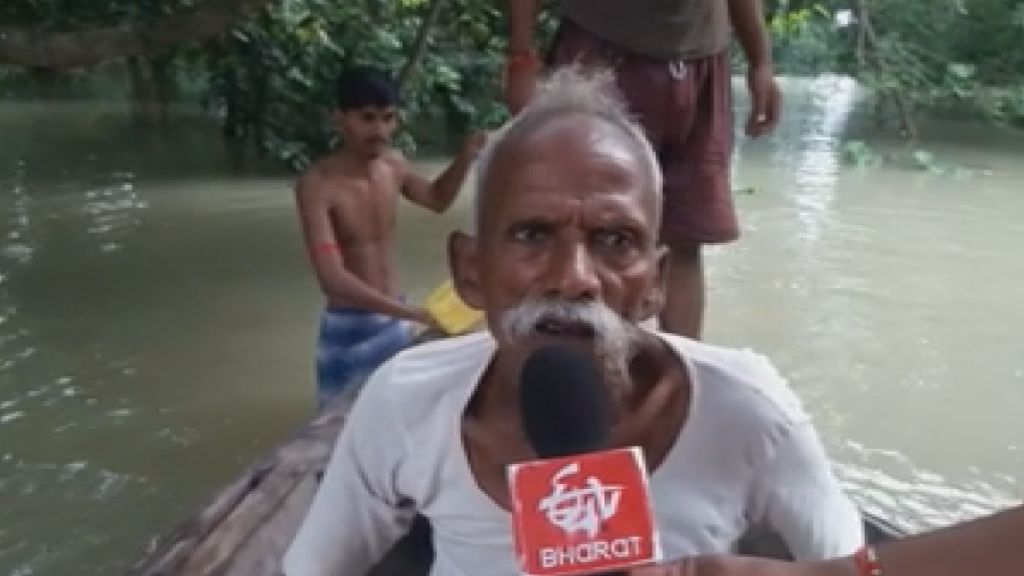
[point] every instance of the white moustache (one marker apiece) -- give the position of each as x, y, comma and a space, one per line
524, 319
615, 338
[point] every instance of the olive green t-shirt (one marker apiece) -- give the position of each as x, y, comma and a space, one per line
665, 29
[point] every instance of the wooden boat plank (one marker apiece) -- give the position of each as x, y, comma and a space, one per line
304, 454
213, 557
167, 557
261, 554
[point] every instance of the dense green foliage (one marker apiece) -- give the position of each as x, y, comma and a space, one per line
916, 54
273, 79
270, 78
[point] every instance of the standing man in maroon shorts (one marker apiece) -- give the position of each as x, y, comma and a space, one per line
671, 60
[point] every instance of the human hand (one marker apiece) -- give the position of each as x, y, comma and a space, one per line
744, 566
520, 80
765, 100
423, 316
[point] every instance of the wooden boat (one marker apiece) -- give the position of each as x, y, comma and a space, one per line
246, 528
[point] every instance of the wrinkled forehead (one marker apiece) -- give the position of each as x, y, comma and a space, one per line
572, 155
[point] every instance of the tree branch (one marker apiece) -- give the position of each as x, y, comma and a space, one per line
419, 47
27, 48
868, 52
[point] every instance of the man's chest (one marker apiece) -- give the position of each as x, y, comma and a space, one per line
698, 507
364, 211
690, 520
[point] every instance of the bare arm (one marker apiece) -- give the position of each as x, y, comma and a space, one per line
328, 263
522, 17
522, 64
439, 194
992, 546
747, 18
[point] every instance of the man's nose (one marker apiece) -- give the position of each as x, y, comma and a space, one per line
572, 275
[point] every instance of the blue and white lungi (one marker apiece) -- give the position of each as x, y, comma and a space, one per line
352, 344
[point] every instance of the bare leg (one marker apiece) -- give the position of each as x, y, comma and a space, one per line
684, 305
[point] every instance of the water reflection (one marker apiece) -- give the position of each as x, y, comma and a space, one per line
18, 243
889, 297
888, 484
113, 210
16, 251
830, 102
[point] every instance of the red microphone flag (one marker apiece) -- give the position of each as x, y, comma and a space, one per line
587, 513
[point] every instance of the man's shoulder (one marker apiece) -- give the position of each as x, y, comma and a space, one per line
317, 178
423, 376
740, 379
448, 354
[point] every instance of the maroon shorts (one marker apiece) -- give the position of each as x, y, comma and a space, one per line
686, 109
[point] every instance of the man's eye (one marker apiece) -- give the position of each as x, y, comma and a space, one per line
614, 239
529, 233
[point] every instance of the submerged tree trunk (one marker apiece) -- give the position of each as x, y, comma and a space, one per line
232, 119
164, 88
868, 56
152, 88
143, 90
224, 80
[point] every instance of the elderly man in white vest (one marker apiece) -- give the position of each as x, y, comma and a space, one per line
565, 249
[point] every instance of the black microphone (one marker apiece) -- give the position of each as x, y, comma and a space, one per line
564, 406
566, 411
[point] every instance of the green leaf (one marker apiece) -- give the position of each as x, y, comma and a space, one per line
860, 154
961, 70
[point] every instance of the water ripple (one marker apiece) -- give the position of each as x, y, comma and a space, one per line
10, 416
75, 480
113, 210
18, 244
887, 483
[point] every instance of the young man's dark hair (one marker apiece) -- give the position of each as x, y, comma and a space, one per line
363, 86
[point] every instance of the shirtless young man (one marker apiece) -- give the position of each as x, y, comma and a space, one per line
347, 205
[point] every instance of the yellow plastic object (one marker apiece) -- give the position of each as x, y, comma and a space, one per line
450, 312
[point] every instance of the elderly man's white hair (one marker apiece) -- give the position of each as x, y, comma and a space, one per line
569, 91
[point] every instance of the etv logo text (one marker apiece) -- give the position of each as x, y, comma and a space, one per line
580, 509
585, 513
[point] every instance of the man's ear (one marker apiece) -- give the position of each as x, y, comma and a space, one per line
463, 260
654, 301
